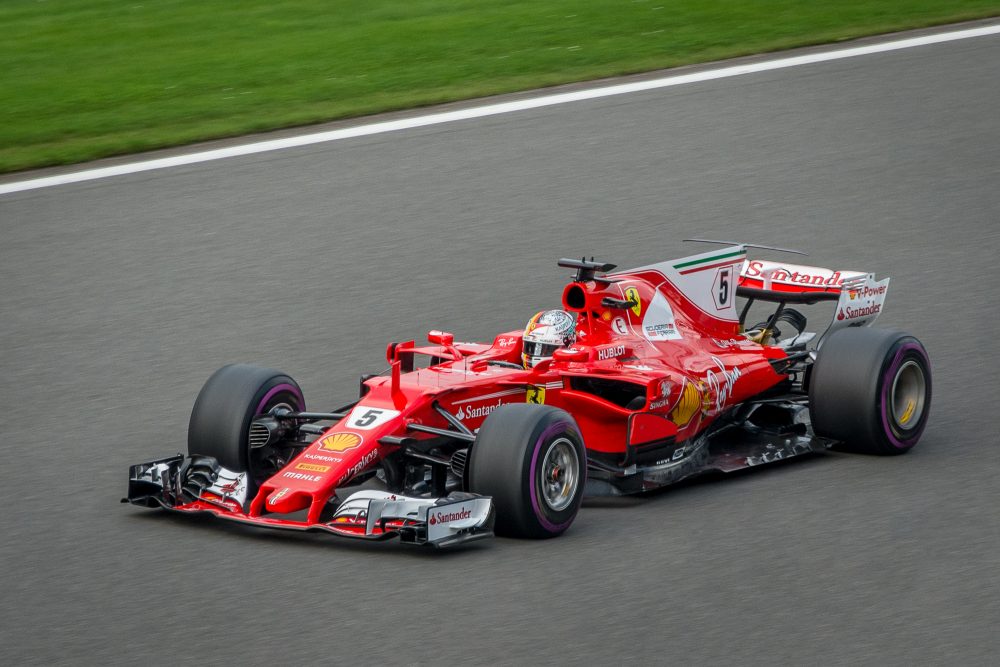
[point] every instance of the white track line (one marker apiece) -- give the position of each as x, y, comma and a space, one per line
492, 109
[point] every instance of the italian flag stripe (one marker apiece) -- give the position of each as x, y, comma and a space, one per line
709, 260
696, 269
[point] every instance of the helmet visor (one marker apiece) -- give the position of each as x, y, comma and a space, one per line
533, 349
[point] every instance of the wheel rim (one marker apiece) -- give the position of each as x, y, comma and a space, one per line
560, 474
908, 394
265, 462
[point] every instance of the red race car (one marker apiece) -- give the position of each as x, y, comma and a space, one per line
642, 378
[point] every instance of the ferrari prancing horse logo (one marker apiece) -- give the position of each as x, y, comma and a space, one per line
632, 294
535, 395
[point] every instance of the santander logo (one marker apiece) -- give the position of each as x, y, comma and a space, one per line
798, 275
447, 517
854, 313
475, 413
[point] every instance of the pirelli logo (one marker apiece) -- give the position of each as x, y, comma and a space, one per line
312, 467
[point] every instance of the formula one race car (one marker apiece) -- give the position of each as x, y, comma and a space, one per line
641, 379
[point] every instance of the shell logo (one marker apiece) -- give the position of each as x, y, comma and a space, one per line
340, 442
687, 405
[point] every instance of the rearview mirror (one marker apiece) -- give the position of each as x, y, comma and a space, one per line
440, 338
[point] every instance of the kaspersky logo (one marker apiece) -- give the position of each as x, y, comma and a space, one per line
340, 442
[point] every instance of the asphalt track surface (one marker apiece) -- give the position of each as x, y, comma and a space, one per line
121, 296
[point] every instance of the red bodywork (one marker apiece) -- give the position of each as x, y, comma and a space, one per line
637, 373
676, 386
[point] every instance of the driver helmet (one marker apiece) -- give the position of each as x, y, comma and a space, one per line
546, 332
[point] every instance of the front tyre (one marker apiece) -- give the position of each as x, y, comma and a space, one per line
227, 404
871, 390
532, 461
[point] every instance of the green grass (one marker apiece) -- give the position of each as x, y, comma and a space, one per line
82, 79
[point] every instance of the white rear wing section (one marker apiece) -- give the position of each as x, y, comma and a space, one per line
859, 296
708, 280
782, 277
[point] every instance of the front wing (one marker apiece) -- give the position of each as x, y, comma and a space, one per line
199, 484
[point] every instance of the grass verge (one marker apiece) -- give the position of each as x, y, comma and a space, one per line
83, 79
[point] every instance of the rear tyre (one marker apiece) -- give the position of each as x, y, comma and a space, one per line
220, 420
871, 390
532, 461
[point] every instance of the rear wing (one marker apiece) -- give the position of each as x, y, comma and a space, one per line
858, 295
702, 285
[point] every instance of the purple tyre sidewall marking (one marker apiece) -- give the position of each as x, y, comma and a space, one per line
887, 379
271, 393
553, 429
274, 391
